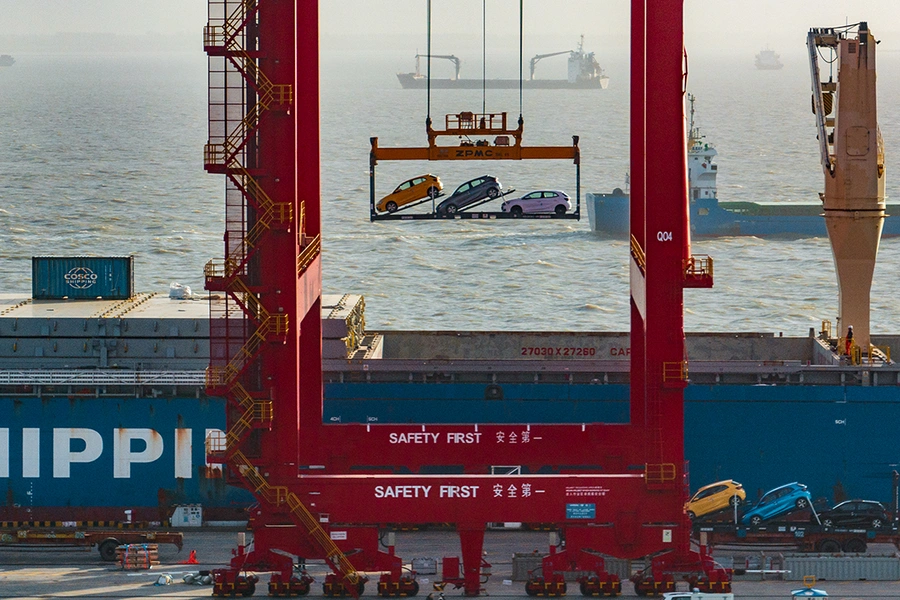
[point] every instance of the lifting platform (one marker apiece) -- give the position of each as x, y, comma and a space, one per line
493, 140
325, 491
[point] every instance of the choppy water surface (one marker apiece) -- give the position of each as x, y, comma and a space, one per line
102, 155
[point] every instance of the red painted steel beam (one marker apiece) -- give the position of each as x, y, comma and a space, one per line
609, 448
638, 151
308, 395
476, 499
661, 164
274, 272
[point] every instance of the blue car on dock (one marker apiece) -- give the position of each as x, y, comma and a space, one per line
777, 502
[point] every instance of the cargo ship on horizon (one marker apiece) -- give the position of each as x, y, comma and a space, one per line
768, 60
584, 72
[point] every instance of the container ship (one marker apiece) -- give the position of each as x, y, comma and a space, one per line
584, 72
103, 405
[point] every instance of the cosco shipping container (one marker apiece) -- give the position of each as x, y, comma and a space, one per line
82, 277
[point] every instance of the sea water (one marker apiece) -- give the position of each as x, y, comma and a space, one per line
102, 155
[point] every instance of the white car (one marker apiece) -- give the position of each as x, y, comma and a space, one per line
541, 201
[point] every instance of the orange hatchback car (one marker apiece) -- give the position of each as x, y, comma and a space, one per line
715, 497
417, 188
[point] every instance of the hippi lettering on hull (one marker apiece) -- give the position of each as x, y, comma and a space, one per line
79, 445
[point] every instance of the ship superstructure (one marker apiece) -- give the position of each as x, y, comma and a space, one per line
702, 170
768, 60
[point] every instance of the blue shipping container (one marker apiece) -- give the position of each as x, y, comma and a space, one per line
84, 277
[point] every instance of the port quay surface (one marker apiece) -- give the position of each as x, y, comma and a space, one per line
79, 573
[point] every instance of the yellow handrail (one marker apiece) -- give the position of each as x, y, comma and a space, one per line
659, 472
227, 154
698, 265
675, 371
638, 254
308, 254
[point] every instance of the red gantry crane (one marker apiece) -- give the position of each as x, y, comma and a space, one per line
324, 490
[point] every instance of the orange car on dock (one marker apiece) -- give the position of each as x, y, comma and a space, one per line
715, 497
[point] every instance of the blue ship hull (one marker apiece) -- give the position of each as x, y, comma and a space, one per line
608, 216
839, 440
106, 455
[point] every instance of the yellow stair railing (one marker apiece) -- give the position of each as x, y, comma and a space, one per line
278, 495
638, 254
308, 254
227, 154
333, 554
226, 375
273, 494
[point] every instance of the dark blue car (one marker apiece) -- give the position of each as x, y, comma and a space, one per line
470, 192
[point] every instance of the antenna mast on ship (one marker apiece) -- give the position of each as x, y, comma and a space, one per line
693, 134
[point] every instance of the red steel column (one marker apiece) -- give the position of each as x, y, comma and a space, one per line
276, 269
667, 245
637, 209
308, 190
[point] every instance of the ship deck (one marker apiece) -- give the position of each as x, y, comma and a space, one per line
152, 340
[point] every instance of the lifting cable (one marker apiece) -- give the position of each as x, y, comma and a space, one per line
483, 61
428, 75
483, 55
520, 62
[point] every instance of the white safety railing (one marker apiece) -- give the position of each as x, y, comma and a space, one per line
100, 377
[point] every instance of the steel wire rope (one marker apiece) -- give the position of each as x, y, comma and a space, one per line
483, 57
521, 29
428, 67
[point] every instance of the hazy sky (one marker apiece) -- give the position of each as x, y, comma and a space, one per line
716, 25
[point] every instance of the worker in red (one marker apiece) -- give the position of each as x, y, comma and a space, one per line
848, 342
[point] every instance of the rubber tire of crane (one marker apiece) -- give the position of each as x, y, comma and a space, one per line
639, 590
391, 206
829, 546
516, 211
560, 209
107, 549
414, 589
249, 591
801, 503
493, 193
